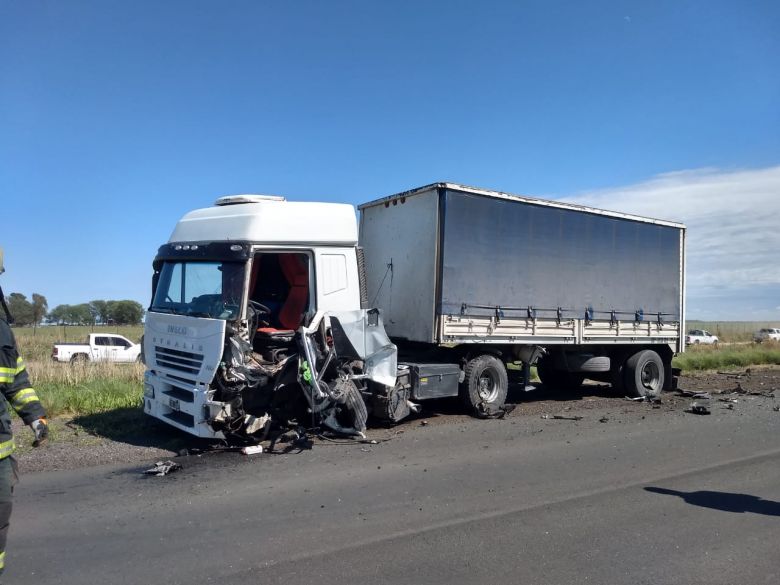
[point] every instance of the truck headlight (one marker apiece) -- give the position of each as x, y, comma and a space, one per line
148, 390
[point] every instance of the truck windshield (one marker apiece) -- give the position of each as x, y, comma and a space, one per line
200, 289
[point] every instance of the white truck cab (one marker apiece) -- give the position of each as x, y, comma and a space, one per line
232, 286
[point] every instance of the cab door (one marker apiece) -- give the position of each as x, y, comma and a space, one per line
102, 350
121, 350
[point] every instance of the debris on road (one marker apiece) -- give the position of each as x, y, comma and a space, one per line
696, 395
651, 399
560, 417
163, 468
252, 450
698, 409
603, 419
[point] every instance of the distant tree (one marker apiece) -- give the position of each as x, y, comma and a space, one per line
40, 305
71, 314
100, 312
80, 315
59, 314
120, 312
21, 309
126, 312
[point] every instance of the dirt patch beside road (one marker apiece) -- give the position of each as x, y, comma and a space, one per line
132, 437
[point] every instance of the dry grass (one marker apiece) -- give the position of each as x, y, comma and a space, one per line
71, 375
36, 344
731, 331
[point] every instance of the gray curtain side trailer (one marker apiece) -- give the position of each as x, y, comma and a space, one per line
465, 275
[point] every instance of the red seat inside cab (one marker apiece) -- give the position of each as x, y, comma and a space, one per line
296, 273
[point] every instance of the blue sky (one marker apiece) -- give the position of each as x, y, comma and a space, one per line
117, 117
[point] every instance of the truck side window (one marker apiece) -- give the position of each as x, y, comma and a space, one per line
333, 271
102, 341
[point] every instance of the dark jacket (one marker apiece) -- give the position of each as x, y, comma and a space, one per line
16, 390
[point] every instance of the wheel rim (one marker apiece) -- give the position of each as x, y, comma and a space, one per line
487, 386
651, 376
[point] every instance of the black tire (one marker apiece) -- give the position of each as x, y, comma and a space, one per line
485, 384
357, 407
595, 364
644, 374
79, 358
352, 412
555, 379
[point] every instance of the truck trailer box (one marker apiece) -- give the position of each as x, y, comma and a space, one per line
448, 263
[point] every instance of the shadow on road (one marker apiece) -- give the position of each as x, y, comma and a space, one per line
518, 395
724, 501
132, 426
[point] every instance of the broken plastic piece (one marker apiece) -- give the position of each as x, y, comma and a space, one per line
699, 409
252, 449
560, 417
163, 468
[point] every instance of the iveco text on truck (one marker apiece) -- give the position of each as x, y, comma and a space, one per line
272, 312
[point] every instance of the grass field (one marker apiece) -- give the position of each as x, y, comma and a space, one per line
36, 344
79, 389
731, 331
708, 357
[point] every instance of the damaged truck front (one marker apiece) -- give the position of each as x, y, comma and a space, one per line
256, 322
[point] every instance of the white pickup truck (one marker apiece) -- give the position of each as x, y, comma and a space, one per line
104, 347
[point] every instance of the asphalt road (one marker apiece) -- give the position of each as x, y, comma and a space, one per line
650, 496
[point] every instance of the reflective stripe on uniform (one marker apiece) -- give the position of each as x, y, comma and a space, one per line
24, 397
2, 560
6, 448
19, 365
7, 374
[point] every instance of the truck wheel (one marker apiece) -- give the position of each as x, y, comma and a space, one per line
644, 374
485, 384
79, 358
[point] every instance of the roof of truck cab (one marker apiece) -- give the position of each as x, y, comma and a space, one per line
270, 222
521, 198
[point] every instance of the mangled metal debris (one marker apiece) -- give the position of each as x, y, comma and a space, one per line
163, 468
312, 378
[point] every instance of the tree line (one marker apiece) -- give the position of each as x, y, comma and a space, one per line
104, 312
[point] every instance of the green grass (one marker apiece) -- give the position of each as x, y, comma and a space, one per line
724, 357
92, 397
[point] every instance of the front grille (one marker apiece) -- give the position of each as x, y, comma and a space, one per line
182, 418
175, 359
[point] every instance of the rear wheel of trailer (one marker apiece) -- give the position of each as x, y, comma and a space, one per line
644, 374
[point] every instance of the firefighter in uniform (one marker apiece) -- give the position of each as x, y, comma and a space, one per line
17, 393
